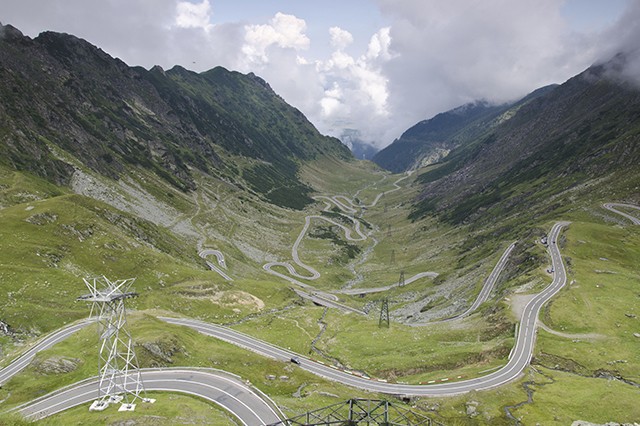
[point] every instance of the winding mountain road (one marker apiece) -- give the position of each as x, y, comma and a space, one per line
518, 360
221, 262
215, 386
346, 205
245, 403
612, 207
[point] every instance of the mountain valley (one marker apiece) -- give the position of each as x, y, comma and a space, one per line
205, 186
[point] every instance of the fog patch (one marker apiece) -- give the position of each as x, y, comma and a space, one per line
620, 47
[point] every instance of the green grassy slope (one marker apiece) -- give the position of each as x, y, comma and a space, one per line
146, 227
51, 239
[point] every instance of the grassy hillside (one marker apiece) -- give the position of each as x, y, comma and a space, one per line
51, 239
109, 200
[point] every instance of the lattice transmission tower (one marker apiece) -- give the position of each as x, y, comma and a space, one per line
120, 379
384, 313
360, 412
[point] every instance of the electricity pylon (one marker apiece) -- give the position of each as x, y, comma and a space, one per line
384, 313
118, 366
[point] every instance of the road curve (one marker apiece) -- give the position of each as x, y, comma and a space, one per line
23, 360
323, 298
348, 207
213, 385
221, 262
331, 301
489, 283
314, 274
220, 388
612, 207
518, 360
199, 383
395, 184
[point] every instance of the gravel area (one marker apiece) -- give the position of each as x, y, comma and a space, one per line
126, 195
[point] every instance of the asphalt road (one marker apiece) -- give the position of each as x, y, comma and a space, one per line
489, 283
518, 360
221, 262
329, 300
247, 405
215, 386
612, 207
47, 342
220, 388
294, 250
324, 298
320, 299
348, 207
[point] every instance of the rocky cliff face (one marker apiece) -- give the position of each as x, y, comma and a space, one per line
61, 92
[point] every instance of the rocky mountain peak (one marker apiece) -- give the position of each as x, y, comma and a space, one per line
12, 35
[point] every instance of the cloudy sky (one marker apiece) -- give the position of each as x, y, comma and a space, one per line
376, 66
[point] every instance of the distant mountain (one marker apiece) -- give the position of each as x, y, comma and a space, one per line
61, 92
579, 139
429, 141
360, 149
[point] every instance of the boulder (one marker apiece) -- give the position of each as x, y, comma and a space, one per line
56, 365
472, 408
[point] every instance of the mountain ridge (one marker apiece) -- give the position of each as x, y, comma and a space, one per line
583, 130
63, 90
429, 141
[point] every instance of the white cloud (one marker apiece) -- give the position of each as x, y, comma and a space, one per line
331, 103
340, 39
285, 31
335, 93
373, 86
379, 45
338, 60
430, 56
356, 90
193, 15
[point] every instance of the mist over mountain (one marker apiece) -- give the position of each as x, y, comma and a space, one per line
429, 141
360, 148
583, 132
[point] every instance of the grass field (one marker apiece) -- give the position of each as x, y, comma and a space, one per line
51, 239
